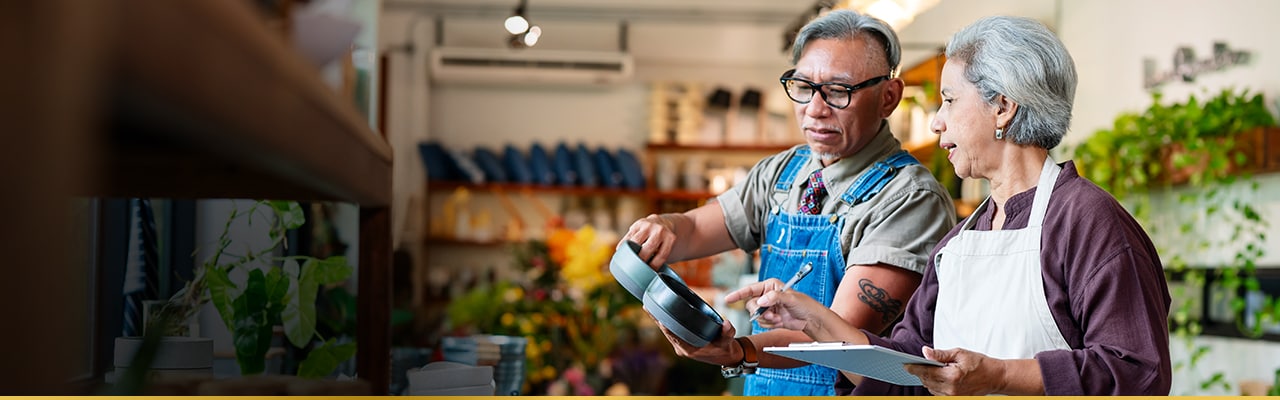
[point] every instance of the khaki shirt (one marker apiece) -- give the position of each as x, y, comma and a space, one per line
899, 226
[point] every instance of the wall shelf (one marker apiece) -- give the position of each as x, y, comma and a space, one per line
772, 148
445, 186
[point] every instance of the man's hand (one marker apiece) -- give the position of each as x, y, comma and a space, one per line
656, 235
722, 351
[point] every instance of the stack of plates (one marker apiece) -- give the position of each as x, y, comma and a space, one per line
460, 349
447, 378
508, 375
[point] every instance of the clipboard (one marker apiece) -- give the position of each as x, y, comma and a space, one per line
871, 361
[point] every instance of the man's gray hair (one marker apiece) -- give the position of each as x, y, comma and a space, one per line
847, 24
1023, 60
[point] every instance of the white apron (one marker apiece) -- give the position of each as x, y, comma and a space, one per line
990, 290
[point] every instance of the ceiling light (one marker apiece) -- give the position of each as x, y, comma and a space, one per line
897, 13
523, 32
516, 24
531, 37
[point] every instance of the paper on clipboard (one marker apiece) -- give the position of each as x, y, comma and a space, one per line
867, 360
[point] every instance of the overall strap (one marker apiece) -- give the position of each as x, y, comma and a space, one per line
789, 172
876, 178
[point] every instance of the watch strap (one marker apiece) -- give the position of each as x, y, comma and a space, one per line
749, 360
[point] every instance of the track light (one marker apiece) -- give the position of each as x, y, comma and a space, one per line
523, 33
516, 24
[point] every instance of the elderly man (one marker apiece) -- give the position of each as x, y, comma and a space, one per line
850, 201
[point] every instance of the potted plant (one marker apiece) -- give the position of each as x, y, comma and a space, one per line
282, 294
1198, 154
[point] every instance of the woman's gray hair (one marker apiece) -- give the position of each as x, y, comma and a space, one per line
1023, 60
847, 24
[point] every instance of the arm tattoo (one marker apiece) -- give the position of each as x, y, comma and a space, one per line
878, 299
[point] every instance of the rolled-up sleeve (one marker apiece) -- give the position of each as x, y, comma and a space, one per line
903, 231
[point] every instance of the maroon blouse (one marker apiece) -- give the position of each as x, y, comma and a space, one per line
1105, 287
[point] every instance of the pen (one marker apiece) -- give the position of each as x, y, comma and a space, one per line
804, 271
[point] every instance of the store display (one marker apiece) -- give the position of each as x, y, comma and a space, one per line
632, 172
607, 167
470, 171
746, 125
517, 166
540, 164
715, 118
563, 164
438, 162
490, 164
585, 167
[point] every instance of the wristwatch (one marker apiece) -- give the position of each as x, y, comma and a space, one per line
748, 363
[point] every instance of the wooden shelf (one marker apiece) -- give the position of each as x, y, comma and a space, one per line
448, 241
691, 195
207, 102
922, 150
180, 99
518, 187
763, 148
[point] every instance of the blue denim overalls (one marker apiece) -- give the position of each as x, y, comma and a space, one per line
793, 239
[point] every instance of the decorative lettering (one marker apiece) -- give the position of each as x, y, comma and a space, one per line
1186, 67
878, 299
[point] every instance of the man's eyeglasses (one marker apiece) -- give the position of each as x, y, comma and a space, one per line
834, 93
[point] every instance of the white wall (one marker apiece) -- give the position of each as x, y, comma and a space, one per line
1109, 40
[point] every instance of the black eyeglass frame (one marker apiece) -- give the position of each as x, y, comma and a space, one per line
817, 88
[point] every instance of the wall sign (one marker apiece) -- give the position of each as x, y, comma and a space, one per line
1186, 67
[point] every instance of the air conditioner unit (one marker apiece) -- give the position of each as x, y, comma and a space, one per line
516, 66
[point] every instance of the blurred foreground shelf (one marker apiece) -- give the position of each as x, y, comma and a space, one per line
186, 99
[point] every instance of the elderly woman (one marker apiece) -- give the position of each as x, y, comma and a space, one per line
1050, 287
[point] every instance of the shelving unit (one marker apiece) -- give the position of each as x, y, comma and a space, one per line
190, 99
683, 198
444, 186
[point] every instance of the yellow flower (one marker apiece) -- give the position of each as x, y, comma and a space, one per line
508, 319
513, 294
531, 348
548, 373
585, 260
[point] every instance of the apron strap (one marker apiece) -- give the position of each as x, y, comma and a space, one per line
872, 181
1044, 189
789, 172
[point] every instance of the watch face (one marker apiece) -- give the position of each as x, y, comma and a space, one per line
731, 372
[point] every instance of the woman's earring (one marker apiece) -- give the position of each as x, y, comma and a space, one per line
999, 133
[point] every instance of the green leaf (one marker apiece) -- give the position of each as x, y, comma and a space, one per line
251, 334
330, 270
322, 360
289, 212
299, 316
220, 287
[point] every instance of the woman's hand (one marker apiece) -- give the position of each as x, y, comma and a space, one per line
966, 373
789, 310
